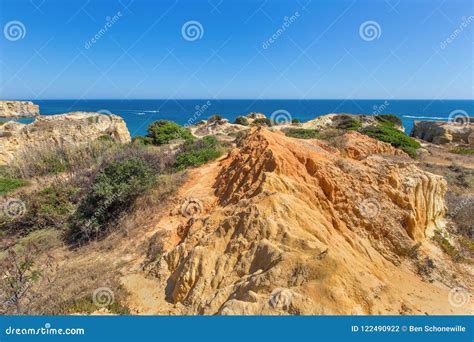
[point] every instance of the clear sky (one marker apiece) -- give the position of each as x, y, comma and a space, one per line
392, 49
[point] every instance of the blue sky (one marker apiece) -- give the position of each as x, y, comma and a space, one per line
321, 52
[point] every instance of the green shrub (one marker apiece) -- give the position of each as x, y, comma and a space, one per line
141, 140
86, 305
446, 246
106, 137
8, 184
295, 121
394, 137
263, 122
346, 122
50, 207
242, 120
389, 119
162, 132
199, 152
463, 150
115, 187
302, 133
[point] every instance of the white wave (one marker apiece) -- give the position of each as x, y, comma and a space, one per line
141, 113
424, 117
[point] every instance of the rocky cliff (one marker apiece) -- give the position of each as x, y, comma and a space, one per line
17, 109
301, 227
438, 132
55, 130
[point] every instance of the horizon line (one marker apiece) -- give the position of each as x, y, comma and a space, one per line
231, 99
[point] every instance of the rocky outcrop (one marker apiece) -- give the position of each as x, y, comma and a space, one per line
439, 133
222, 129
18, 109
302, 227
55, 130
345, 121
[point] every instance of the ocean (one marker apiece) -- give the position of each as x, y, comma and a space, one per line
138, 114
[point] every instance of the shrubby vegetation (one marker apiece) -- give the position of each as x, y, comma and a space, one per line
8, 184
116, 185
394, 137
242, 120
199, 152
302, 133
262, 122
162, 132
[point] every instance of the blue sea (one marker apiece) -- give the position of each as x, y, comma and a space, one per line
138, 114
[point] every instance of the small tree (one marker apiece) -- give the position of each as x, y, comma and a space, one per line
162, 132
18, 275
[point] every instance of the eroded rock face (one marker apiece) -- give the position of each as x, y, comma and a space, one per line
300, 227
55, 130
437, 132
18, 109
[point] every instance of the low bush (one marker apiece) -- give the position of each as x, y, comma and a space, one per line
114, 188
8, 184
394, 137
302, 133
242, 120
50, 207
463, 150
199, 152
295, 121
162, 132
262, 122
389, 119
446, 246
346, 122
